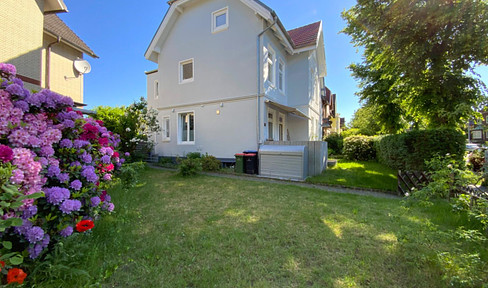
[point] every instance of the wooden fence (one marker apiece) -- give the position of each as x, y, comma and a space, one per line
409, 180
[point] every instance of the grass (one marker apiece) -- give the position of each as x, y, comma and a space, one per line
361, 174
216, 232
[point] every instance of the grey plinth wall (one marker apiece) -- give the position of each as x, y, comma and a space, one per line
317, 154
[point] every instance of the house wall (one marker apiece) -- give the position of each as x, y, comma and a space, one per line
62, 57
21, 23
271, 88
219, 131
225, 74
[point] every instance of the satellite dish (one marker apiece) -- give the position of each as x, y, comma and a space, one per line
82, 66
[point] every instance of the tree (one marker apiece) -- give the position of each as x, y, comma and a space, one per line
135, 124
419, 58
366, 120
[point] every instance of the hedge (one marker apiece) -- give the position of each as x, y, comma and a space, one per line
359, 148
409, 151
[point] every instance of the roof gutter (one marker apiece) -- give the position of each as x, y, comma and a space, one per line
258, 98
48, 62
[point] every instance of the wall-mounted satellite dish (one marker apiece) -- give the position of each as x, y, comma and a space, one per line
82, 66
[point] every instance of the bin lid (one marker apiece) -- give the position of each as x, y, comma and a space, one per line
282, 150
250, 151
250, 154
240, 154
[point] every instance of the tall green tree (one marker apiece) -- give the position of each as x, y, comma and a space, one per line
419, 57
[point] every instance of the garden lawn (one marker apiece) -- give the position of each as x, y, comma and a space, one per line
215, 232
361, 174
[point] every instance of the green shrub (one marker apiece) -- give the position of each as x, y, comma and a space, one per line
410, 151
210, 163
194, 155
129, 173
476, 159
335, 143
167, 162
359, 148
189, 167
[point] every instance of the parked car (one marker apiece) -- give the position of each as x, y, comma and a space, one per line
472, 146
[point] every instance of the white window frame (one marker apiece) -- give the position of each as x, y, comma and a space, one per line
180, 129
217, 13
283, 126
180, 71
271, 61
166, 129
281, 75
271, 124
156, 89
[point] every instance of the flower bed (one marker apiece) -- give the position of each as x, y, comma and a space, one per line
54, 168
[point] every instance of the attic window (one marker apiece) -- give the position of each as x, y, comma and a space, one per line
220, 20
186, 71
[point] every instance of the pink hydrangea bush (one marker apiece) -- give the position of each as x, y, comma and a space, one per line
57, 162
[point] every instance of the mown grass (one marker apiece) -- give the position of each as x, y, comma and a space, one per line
214, 232
361, 174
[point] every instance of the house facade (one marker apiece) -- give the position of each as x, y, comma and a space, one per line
42, 46
230, 77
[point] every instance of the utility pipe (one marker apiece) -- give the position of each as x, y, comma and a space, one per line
48, 62
258, 98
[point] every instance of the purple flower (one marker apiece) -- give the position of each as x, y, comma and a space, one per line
53, 171
127, 154
108, 206
76, 184
69, 206
17, 176
35, 251
66, 143
75, 164
66, 232
22, 105
8, 68
63, 177
69, 123
105, 159
89, 173
15, 89
47, 151
78, 144
95, 201
26, 226
29, 212
34, 234
107, 177
6, 153
56, 195
85, 157
122, 160
34, 141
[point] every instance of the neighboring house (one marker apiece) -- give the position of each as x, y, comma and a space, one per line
478, 132
41, 46
230, 77
331, 120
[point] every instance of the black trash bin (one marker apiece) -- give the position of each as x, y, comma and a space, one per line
251, 162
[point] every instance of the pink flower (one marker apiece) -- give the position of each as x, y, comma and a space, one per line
6, 153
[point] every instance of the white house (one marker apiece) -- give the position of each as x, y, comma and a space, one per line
230, 77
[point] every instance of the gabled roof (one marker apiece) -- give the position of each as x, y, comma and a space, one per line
55, 26
306, 35
304, 38
54, 6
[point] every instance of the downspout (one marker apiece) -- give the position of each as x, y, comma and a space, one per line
258, 98
48, 62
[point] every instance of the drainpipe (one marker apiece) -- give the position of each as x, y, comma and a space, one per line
258, 98
48, 62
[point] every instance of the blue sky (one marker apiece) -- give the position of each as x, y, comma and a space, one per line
120, 31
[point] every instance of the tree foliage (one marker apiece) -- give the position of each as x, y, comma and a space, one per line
134, 123
368, 121
419, 58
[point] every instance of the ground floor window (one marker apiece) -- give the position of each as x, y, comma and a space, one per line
270, 126
165, 129
280, 128
186, 128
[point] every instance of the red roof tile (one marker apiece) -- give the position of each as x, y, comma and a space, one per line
54, 25
306, 35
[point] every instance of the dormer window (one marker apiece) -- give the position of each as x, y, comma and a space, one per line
220, 20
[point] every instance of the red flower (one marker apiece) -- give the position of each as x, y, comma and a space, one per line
109, 167
69, 109
3, 265
16, 275
116, 154
104, 194
6, 153
103, 141
84, 225
100, 122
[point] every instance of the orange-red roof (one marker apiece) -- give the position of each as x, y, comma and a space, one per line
306, 35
